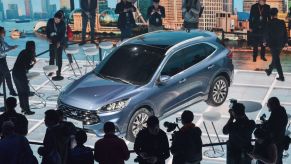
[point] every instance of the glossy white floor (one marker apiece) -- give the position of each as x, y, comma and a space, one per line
247, 86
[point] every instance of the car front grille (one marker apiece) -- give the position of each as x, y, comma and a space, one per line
86, 116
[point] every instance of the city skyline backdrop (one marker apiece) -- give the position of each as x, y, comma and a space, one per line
238, 4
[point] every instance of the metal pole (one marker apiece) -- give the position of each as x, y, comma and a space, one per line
209, 137
217, 135
4, 91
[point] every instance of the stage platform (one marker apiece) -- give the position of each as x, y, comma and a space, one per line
249, 86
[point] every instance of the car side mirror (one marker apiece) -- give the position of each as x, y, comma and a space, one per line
163, 79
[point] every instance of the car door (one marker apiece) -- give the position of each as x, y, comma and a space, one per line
198, 70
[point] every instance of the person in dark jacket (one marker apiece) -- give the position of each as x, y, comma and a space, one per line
14, 149
190, 13
24, 62
259, 17
56, 141
156, 14
187, 144
89, 8
126, 20
20, 122
4, 70
151, 144
55, 31
276, 125
276, 37
240, 129
81, 154
110, 149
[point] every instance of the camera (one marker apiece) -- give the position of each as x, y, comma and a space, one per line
170, 126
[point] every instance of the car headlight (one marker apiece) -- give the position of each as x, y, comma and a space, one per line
116, 106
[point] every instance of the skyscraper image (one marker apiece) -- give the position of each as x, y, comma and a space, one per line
28, 8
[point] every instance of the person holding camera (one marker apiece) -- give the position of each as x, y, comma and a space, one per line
276, 125
187, 144
55, 31
155, 14
151, 144
240, 129
126, 20
265, 151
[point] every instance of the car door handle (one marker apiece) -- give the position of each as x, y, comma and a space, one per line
211, 66
182, 81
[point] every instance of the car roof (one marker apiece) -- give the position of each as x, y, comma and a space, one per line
167, 39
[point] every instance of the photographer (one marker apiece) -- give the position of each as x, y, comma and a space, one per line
155, 14
240, 129
277, 125
151, 143
187, 144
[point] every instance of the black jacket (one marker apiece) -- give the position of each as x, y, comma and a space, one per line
276, 33
19, 120
81, 155
156, 19
89, 8
240, 135
125, 19
277, 123
23, 63
187, 145
153, 145
58, 29
255, 23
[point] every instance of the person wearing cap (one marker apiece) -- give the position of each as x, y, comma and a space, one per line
4, 70
156, 14
110, 149
239, 128
276, 37
151, 144
259, 17
187, 144
55, 32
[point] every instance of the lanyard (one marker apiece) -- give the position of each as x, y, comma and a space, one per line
261, 10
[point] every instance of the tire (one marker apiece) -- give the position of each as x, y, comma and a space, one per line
218, 91
139, 117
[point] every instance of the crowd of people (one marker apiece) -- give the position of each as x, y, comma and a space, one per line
64, 143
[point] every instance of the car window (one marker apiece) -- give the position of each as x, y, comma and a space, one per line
186, 58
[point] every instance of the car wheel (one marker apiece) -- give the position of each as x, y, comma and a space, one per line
137, 123
218, 91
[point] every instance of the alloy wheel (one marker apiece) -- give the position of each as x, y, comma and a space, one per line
219, 91
139, 123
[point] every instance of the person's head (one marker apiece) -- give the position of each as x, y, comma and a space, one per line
238, 110
262, 2
11, 104
274, 12
81, 137
153, 125
8, 128
2, 31
51, 118
273, 103
58, 17
30, 46
124, 1
261, 135
61, 115
187, 117
62, 12
156, 3
109, 128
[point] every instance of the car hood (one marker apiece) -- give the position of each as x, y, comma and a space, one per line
92, 92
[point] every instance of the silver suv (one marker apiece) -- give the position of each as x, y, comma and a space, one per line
157, 73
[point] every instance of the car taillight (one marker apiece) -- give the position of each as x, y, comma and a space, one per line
230, 55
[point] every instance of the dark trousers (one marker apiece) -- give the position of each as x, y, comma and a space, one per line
126, 32
4, 72
56, 57
276, 63
238, 159
22, 87
280, 150
256, 50
85, 20
191, 26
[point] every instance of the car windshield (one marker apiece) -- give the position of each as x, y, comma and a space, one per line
132, 64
